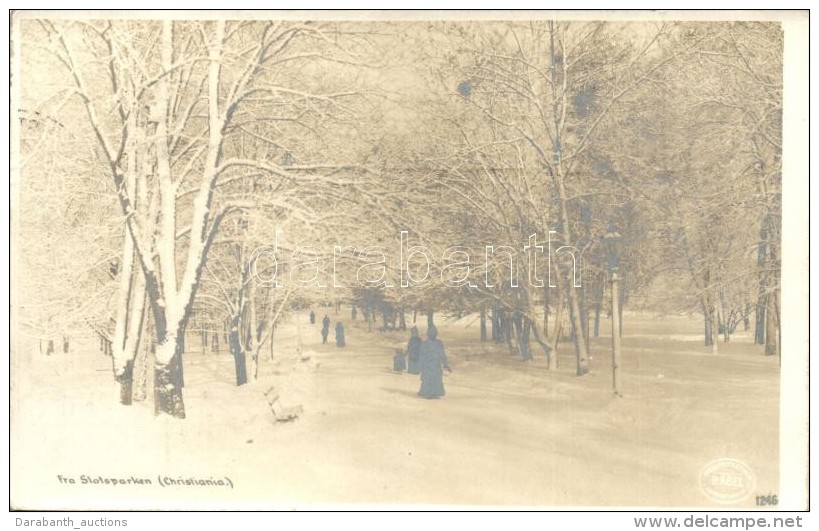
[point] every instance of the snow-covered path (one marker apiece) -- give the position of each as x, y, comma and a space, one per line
507, 433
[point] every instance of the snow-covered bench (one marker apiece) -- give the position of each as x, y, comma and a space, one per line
281, 413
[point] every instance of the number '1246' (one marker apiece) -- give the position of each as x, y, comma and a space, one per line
767, 500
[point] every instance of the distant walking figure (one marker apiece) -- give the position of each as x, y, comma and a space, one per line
312, 317
325, 329
340, 335
414, 352
433, 362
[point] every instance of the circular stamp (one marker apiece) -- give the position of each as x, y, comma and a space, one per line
727, 480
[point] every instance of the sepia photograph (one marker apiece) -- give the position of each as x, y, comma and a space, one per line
300, 260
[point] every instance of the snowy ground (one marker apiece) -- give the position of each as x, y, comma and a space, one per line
507, 434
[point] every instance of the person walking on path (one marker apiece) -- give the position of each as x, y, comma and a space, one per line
414, 352
433, 363
325, 329
340, 335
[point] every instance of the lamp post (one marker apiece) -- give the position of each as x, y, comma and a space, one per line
612, 241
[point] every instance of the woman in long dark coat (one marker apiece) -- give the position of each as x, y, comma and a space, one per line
414, 352
340, 335
433, 363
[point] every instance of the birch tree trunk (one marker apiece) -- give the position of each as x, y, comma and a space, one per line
560, 104
131, 297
